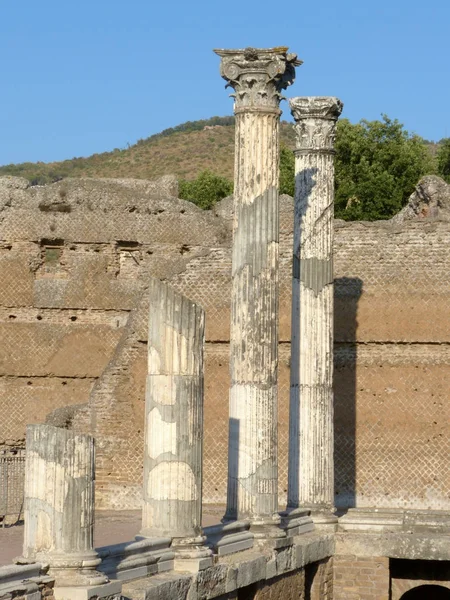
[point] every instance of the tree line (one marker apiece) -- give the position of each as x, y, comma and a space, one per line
377, 165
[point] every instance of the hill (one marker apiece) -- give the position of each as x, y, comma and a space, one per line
184, 151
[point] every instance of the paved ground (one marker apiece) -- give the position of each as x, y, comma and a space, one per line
111, 527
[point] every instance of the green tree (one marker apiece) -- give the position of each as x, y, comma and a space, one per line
207, 189
378, 164
443, 159
287, 171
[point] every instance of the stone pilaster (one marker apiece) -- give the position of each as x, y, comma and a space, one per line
258, 78
59, 509
310, 482
174, 425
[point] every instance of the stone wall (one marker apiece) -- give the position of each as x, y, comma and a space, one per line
75, 258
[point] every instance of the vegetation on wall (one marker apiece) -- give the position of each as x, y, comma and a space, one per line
443, 159
378, 163
287, 171
206, 189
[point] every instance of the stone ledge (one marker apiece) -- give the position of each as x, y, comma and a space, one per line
411, 546
24, 579
107, 591
233, 571
135, 559
395, 519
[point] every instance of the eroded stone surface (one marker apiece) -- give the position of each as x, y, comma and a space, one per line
311, 481
257, 76
429, 201
174, 425
59, 504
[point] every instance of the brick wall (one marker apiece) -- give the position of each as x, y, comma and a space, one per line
357, 578
319, 580
74, 261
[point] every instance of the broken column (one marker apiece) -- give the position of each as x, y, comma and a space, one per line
59, 511
257, 76
174, 426
311, 471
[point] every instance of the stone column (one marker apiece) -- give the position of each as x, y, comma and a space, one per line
311, 472
258, 77
59, 509
174, 425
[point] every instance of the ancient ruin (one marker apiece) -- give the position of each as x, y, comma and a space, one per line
311, 439
258, 77
116, 333
172, 505
59, 512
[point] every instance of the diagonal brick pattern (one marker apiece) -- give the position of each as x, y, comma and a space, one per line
76, 334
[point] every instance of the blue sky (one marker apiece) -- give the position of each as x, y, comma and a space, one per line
90, 76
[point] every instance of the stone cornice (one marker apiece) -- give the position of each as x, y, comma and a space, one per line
258, 76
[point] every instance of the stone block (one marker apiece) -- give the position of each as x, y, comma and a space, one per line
192, 565
250, 571
212, 582
107, 591
168, 587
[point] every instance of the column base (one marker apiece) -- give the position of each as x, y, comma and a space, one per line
109, 591
191, 555
73, 570
296, 521
371, 519
268, 529
324, 517
229, 537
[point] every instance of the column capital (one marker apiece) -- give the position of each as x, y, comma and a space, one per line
258, 76
315, 122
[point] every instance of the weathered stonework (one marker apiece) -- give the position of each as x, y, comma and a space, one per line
88, 344
257, 76
59, 513
59, 504
310, 480
174, 425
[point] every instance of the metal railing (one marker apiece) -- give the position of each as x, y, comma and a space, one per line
12, 481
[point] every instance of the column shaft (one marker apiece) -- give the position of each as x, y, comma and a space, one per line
174, 416
257, 76
252, 486
59, 504
310, 481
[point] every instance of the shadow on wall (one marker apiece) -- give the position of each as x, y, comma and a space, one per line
347, 292
427, 592
233, 470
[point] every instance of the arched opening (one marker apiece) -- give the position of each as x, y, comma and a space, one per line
427, 592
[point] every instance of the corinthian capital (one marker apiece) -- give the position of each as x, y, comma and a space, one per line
258, 76
315, 122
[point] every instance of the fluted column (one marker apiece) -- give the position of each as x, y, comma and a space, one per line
174, 425
258, 77
311, 471
59, 505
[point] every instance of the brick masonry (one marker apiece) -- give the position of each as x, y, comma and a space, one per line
74, 261
358, 578
319, 580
